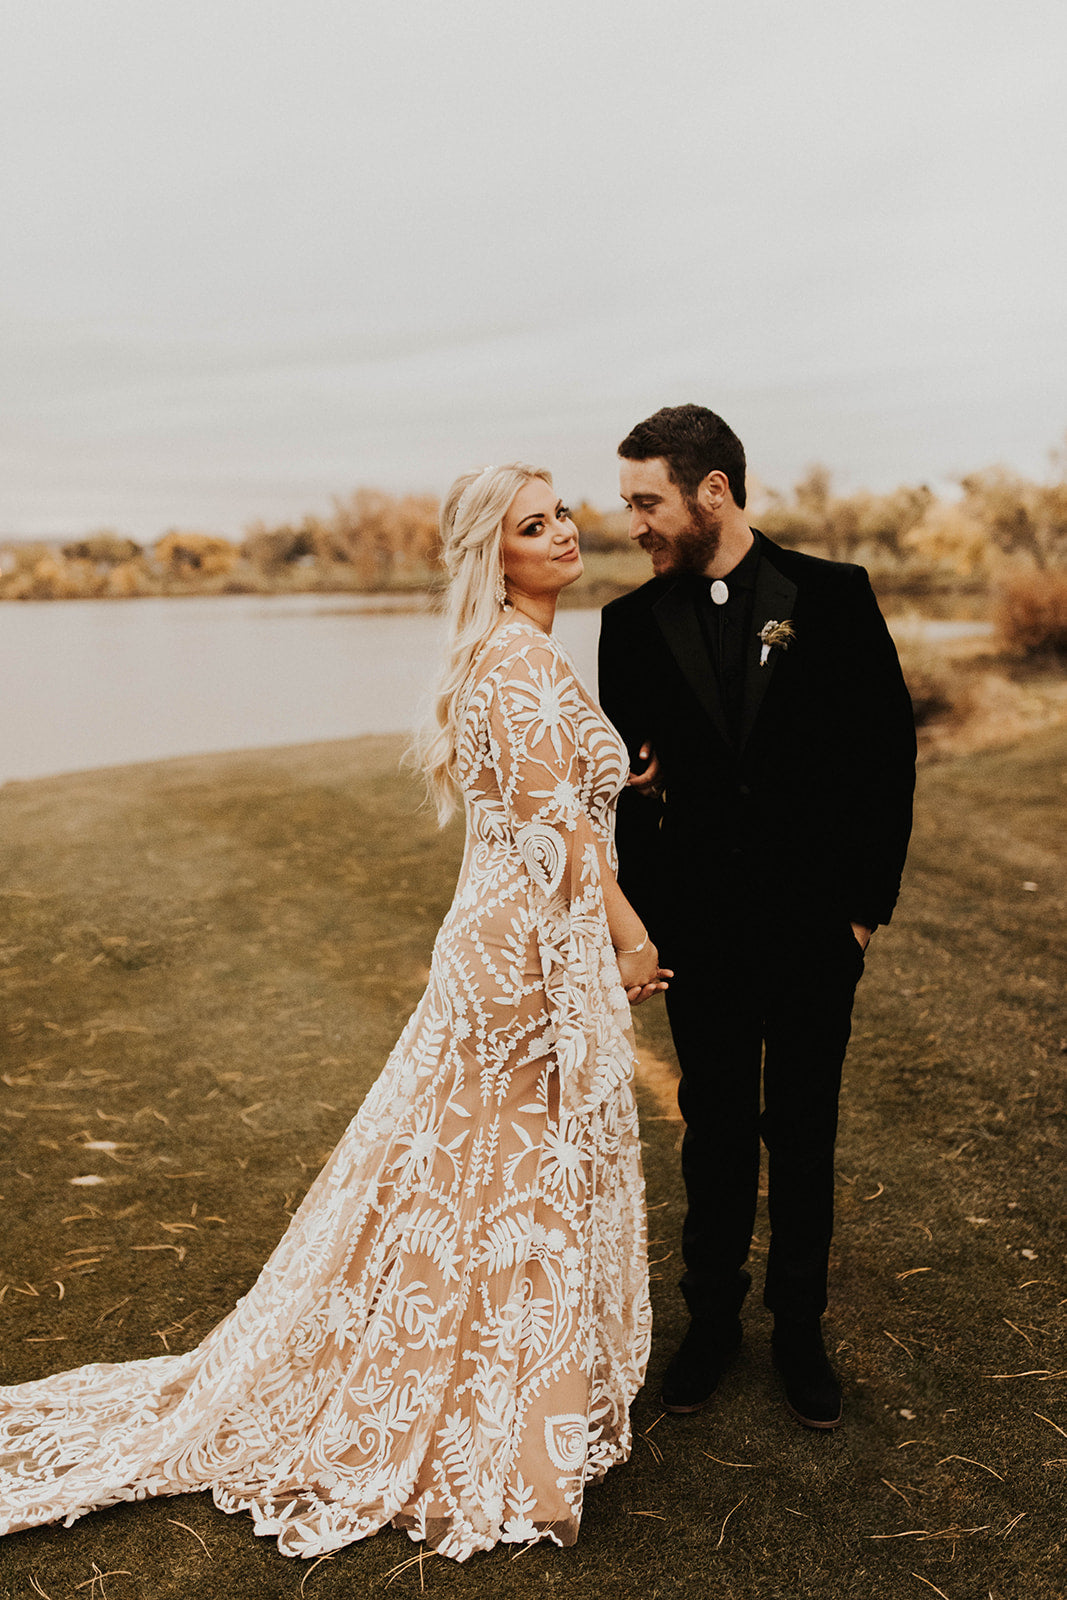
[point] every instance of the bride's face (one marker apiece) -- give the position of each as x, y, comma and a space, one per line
539, 542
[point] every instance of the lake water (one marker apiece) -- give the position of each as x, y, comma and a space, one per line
99, 683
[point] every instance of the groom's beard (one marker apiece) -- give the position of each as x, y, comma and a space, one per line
688, 551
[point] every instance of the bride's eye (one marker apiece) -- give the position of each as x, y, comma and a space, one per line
563, 514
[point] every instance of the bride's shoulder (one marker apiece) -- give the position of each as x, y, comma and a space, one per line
518, 647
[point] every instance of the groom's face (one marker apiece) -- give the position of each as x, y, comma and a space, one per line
679, 535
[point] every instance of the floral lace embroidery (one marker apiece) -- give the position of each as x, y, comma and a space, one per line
451, 1331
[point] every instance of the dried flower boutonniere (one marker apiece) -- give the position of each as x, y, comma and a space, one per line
781, 634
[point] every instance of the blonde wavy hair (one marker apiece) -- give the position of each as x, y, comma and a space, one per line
472, 521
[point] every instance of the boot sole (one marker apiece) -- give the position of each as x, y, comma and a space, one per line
684, 1411
816, 1422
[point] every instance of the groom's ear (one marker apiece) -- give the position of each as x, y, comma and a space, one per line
714, 491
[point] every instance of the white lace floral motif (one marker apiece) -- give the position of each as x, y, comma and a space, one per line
451, 1331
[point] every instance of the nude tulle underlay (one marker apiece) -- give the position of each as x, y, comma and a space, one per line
451, 1331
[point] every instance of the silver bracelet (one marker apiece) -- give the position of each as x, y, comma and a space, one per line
634, 952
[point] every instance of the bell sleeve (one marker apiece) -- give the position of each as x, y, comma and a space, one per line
542, 746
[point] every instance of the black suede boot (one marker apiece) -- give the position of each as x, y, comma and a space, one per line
812, 1390
703, 1356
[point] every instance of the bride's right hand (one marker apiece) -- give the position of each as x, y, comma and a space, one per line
641, 974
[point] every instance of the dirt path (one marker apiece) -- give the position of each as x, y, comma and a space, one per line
203, 965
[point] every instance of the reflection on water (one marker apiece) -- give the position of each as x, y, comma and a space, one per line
98, 683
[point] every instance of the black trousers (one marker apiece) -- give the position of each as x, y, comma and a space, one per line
749, 994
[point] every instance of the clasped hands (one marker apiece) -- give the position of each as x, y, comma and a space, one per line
641, 974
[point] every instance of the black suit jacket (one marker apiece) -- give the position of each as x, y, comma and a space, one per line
808, 815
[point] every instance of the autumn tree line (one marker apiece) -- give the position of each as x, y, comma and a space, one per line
371, 542
1003, 536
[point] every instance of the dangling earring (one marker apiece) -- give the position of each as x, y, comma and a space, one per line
501, 591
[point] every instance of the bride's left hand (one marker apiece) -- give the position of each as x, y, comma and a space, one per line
645, 991
641, 975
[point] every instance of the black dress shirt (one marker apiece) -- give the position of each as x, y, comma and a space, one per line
726, 631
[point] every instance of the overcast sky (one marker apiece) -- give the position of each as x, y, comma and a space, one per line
255, 252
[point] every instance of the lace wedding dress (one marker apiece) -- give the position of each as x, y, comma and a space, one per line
449, 1335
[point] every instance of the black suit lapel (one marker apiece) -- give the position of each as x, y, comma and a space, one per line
772, 601
677, 620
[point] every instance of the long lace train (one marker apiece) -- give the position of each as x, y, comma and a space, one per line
449, 1335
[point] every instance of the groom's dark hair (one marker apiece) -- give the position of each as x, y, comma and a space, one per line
693, 441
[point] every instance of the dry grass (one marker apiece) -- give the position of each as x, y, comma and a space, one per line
967, 699
203, 965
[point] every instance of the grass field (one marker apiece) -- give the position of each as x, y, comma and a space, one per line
204, 964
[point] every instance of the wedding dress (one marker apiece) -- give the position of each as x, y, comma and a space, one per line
449, 1335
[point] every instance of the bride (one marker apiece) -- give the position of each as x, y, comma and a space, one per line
451, 1331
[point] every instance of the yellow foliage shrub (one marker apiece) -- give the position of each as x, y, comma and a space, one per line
951, 536
184, 555
128, 580
1031, 613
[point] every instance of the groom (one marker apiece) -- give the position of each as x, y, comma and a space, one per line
763, 843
